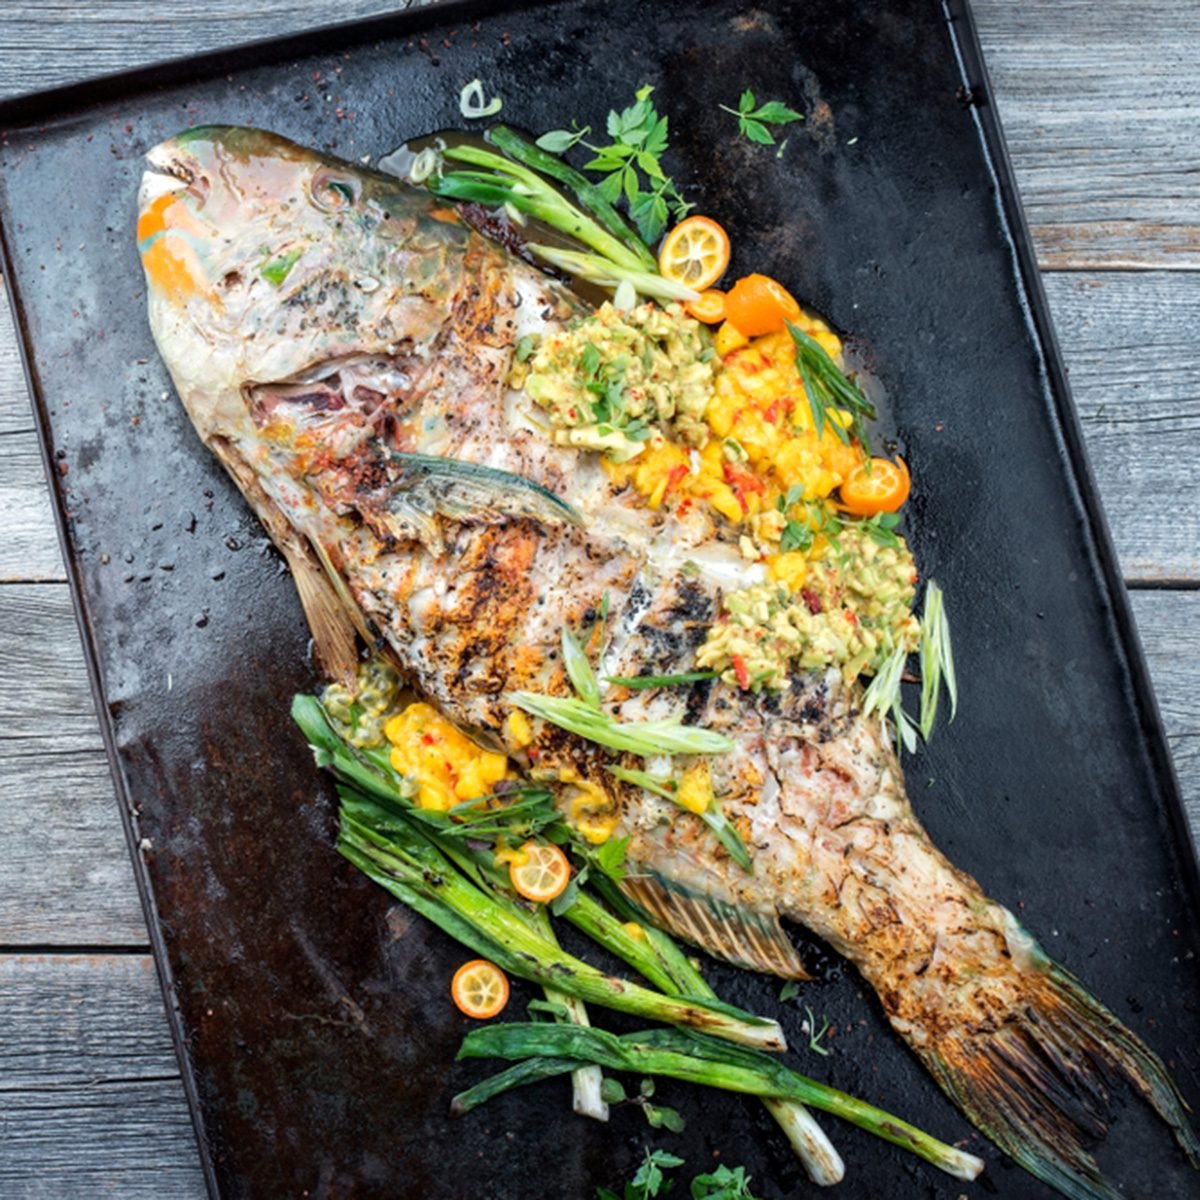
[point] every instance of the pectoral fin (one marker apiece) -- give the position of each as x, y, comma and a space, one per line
331, 615
738, 935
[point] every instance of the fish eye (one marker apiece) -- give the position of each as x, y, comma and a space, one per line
333, 191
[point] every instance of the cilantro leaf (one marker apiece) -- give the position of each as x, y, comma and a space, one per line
753, 121
610, 858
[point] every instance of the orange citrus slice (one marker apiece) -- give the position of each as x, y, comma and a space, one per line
758, 304
710, 308
479, 988
695, 253
543, 874
884, 488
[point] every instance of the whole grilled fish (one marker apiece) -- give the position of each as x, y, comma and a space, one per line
343, 344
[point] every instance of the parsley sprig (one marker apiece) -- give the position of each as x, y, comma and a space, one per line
630, 163
753, 121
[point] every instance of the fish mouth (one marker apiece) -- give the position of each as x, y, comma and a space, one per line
170, 169
169, 161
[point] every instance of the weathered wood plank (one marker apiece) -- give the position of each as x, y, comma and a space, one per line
91, 1103
1169, 627
1101, 110
120, 34
1131, 343
70, 1019
66, 874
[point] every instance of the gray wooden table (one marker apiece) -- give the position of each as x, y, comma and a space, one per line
1101, 104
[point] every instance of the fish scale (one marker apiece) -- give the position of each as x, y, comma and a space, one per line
471, 598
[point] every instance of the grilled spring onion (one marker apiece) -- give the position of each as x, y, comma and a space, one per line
697, 1059
937, 658
579, 670
654, 955
827, 387
644, 738
604, 273
712, 816
619, 255
588, 194
679, 976
883, 695
637, 683
391, 849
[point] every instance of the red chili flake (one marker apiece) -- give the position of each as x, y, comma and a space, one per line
772, 413
811, 599
675, 475
533, 753
428, 739
685, 507
850, 616
739, 669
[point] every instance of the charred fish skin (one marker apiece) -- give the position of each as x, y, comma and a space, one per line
327, 329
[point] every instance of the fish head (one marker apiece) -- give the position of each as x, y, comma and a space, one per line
265, 259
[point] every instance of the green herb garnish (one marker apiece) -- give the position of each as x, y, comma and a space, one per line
827, 387
645, 738
881, 529
641, 682
630, 164
277, 270
753, 122
814, 1034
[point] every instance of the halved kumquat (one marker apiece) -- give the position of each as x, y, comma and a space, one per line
543, 873
695, 253
758, 304
479, 989
710, 308
882, 486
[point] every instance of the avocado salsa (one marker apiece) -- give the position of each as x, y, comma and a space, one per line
613, 380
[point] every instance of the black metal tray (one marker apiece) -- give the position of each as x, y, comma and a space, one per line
311, 1018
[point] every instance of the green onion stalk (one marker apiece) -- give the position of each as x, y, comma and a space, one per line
618, 254
680, 976
693, 1058
388, 847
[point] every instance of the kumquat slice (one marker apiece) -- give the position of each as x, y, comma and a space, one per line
881, 487
695, 253
709, 309
542, 874
479, 989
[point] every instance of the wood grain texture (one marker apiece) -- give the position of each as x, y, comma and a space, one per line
1131, 341
91, 1103
1101, 111
66, 875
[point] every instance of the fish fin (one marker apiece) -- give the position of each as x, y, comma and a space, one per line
335, 641
739, 935
333, 617
1065, 1048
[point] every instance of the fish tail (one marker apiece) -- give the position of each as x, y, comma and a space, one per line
1038, 1084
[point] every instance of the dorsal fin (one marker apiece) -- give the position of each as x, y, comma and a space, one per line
739, 935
